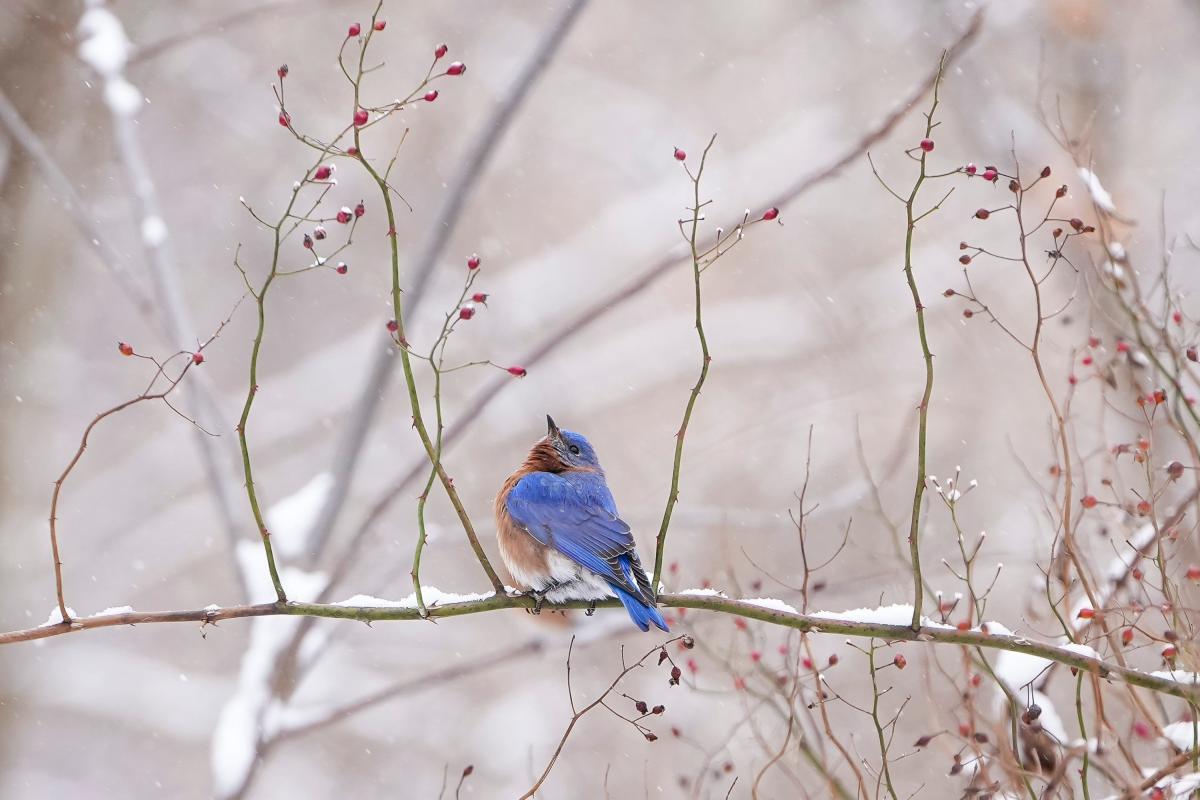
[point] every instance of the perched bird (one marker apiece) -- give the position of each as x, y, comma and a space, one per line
560, 535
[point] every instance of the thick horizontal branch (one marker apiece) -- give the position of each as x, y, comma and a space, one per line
808, 623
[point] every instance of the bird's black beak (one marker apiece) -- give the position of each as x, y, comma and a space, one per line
552, 429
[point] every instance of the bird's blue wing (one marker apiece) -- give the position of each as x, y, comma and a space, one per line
575, 523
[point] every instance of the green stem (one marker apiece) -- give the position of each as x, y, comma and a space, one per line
706, 359
914, 528
1083, 773
883, 745
410, 380
805, 623
251, 492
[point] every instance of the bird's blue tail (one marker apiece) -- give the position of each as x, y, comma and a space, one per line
641, 612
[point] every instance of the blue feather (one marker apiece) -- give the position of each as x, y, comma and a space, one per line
573, 512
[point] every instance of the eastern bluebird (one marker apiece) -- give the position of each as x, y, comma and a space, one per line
560, 535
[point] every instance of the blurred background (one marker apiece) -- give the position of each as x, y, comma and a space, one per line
810, 325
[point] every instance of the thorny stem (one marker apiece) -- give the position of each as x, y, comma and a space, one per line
260, 297
147, 394
599, 701
436, 359
883, 743
923, 409
83, 443
802, 622
706, 359
431, 450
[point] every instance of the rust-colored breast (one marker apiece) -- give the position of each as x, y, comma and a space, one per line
525, 557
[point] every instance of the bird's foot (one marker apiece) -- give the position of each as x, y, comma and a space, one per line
539, 599
591, 609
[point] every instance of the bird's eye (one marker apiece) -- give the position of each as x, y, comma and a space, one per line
574, 450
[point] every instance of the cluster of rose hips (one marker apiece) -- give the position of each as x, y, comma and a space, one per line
467, 311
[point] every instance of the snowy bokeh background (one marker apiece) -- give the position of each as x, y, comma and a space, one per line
809, 324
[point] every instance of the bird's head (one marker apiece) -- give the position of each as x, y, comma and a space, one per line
570, 450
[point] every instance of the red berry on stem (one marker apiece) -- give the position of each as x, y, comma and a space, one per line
971, 169
440, 51
479, 297
285, 119
319, 232
964, 259
927, 145
990, 174
1045, 172
392, 326
355, 30
982, 213
344, 215
517, 372
341, 268
380, 24
431, 95
457, 68
680, 155
323, 172
473, 262
360, 117
466, 312
900, 661
282, 71
770, 214
1089, 501
1127, 636
352, 151
360, 209
197, 358
308, 242
126, 350
1085, 613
